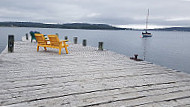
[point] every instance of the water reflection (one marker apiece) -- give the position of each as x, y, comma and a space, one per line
145, 46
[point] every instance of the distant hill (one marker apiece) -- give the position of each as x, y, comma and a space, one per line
82, 26
187, 29
62, 26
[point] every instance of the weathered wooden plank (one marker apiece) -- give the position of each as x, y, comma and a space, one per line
86, 77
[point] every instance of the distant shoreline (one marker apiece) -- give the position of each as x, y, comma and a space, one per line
61, 26
85, 26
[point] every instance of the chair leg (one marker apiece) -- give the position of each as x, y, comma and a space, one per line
37, 48
45, 48
66, 50
59, 51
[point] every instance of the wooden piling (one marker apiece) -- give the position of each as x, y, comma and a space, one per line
84, 42
10, 43
75, 40
26, 36
57, 34
66, 38
100, 46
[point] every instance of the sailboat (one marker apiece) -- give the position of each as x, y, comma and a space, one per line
146, 33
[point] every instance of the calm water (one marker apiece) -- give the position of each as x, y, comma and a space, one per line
170, 49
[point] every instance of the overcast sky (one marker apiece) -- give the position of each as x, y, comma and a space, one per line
113, 12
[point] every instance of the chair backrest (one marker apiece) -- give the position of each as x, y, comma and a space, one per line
40, 39
32, 33
54, 40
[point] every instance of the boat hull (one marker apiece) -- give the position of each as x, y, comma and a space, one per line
146, 35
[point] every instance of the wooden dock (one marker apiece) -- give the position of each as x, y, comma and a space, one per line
86, 77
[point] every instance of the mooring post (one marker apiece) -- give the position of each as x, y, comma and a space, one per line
75, 40
10, 43
57, 34
84, 42
136, 55
26, 36
100, 46
66, 38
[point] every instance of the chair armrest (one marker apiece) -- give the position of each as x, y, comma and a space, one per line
63, 40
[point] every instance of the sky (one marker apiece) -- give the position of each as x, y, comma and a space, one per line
120, 13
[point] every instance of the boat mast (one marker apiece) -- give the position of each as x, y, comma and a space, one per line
147, 21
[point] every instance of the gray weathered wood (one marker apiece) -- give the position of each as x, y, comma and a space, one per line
86, 77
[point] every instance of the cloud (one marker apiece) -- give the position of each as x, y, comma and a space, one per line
114, 12
179, 19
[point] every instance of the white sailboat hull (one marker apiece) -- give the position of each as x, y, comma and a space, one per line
146, 34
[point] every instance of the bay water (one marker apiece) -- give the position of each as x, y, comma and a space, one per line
166, 48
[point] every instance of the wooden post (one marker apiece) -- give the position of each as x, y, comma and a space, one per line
57, 34
10, 43
75, 40
26, 36
66, 38
100, 46
84, 42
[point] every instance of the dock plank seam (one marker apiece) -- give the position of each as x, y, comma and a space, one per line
88, 77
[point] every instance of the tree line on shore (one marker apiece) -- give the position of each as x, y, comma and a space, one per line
82, 26
63, 26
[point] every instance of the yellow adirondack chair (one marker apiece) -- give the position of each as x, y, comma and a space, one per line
56, 43
42, 42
